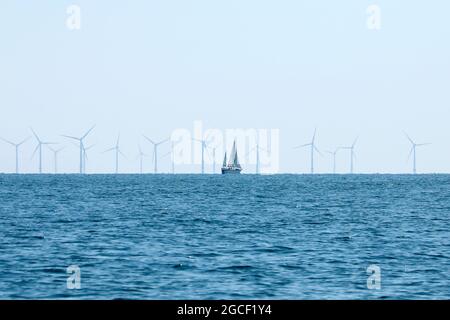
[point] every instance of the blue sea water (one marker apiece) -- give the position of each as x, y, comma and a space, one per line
224, 237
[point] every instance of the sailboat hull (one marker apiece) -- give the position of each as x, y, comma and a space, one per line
231, 170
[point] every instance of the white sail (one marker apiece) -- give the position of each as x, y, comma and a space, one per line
236, 161
232, 155
225, 160
233, 160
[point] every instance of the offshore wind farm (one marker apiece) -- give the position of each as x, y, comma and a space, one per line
207, 152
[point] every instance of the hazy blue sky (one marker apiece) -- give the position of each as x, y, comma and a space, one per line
154, 66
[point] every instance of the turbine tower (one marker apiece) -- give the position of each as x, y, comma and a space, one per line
313, 147
16, 146
155, 151
214, 159
204, 146
258, 158
140, 156
334, 153
413, 152
85, 158
172, 156
81, 141
352, 154
40, 143
258, 148
55, 157
116, 148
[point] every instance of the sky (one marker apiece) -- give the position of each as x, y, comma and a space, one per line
152, 67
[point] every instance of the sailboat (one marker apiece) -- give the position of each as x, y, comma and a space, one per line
233, 166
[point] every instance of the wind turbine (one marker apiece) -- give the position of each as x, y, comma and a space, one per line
16, 146
86, 156
172, 157
155, 151
258, 162
313, 146
140, 156
214, 159
39, 148
352, 154
204, 144
55, 157
212, 156
80, 140
334, 153
172, 147
413, 151
116, 148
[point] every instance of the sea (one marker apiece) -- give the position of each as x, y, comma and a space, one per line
224, 236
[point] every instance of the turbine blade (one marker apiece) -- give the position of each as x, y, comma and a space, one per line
166, 154
34, 152
410, 140
7, 141
208, 154
318, 151
410, 153
71, 137
250, 151
206, 138
150, 140
302, 146
35, 135
110, 149
89, 131
75, 144
263, 149
90, 147
23, 141
163, 141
